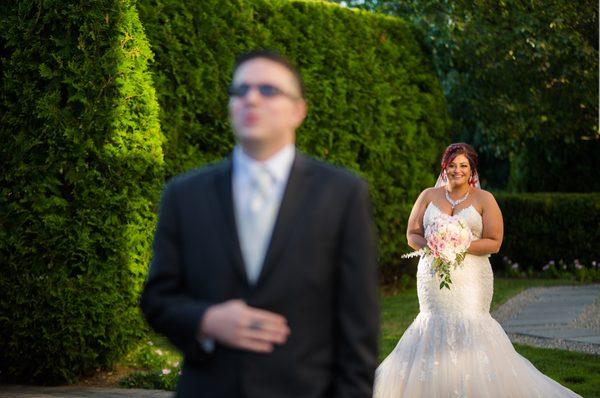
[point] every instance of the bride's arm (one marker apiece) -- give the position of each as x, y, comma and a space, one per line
493, 228
414, 229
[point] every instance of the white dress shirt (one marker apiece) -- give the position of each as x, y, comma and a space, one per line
253, 243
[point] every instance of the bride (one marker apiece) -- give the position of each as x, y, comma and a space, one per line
454, 348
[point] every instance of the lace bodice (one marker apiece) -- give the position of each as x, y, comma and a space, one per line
472, 282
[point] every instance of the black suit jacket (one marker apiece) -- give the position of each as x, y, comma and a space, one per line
319, 273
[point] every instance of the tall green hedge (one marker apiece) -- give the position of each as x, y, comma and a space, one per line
375, 104
81, 170
550, 226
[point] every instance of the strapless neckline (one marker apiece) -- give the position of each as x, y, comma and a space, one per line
455, 214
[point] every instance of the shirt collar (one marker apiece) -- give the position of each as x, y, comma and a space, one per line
278, 165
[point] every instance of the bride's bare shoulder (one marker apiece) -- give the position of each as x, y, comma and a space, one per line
481, 193
483, 197
428, 194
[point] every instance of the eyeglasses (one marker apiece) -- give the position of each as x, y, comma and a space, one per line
266, 90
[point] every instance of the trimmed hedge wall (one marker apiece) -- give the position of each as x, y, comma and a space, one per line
82, 169
375, 103
82, 154
542, 166
550, 226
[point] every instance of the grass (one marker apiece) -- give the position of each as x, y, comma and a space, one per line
157, 364
579, 372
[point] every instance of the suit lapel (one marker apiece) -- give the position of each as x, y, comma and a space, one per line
223, 183
294, 197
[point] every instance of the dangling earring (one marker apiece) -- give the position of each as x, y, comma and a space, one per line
444, 177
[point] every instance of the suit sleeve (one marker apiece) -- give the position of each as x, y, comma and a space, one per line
165, 303
357, 316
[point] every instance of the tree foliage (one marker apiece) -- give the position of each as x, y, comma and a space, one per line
521, 81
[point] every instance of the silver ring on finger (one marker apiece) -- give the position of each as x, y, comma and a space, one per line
255, 325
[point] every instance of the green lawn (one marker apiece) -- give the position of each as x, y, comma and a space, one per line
579, 372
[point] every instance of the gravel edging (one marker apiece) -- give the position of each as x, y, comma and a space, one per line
516, 304
589, 318
559, 344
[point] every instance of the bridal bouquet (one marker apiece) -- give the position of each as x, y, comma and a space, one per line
448, 238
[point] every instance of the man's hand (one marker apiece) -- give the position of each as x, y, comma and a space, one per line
235, 324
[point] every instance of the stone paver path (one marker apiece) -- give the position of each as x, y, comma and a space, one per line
14, 391
566, 314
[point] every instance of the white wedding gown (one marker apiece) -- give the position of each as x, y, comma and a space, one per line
454, 348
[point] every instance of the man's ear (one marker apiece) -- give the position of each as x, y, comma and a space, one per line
301, 111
